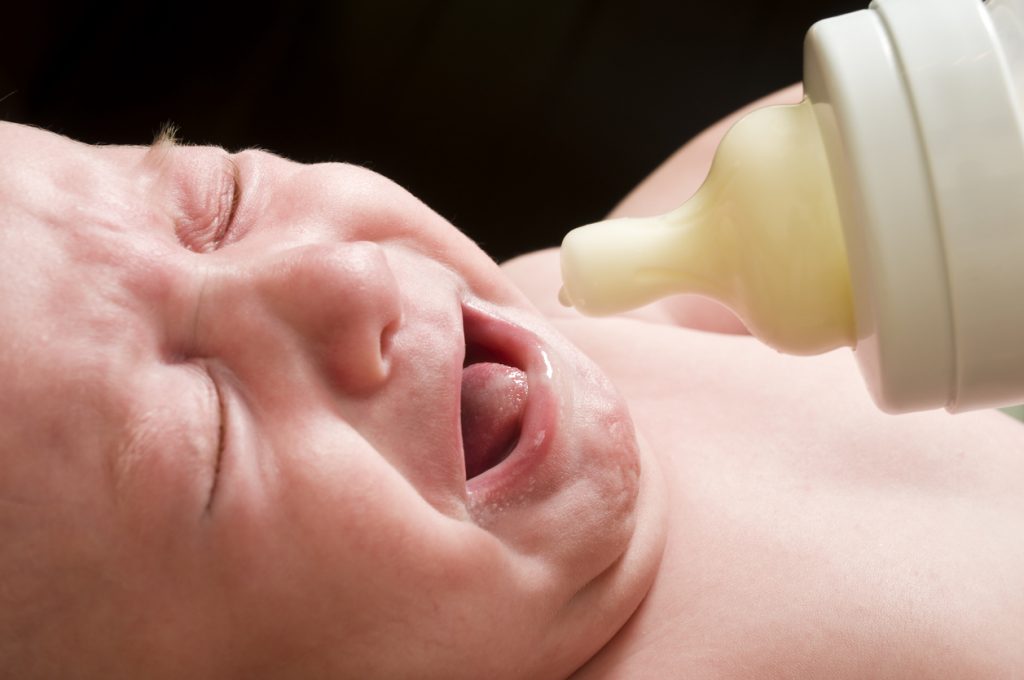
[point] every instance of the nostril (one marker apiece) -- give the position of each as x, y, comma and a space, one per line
387, 336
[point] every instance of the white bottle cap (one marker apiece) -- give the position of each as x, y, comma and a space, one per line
920, 121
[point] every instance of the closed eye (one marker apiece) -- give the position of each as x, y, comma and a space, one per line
225, 221
208, 197
222, 419
227, 206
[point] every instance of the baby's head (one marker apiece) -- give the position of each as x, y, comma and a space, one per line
230, 440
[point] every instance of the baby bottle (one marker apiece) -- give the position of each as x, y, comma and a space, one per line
885, 212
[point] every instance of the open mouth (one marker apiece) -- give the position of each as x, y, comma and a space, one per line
493, 401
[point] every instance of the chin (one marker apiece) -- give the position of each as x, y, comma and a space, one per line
635, 533
616, 490
618, 507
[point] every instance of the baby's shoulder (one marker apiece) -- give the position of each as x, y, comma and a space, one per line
806, 519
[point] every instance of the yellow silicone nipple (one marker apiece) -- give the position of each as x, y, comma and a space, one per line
762, 236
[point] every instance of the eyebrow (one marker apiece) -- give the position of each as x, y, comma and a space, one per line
165, 140
168, 135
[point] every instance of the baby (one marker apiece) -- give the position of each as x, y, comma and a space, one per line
231, 447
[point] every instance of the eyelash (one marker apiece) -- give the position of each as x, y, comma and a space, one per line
221, 436
236, 194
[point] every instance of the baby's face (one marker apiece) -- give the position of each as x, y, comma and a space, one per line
230, 432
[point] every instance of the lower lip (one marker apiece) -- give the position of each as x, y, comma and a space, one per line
514, 473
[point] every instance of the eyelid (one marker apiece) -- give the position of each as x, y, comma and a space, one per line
209, 190
236, 196
230, 195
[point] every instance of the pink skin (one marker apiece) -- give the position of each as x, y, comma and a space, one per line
809, 534
230, 440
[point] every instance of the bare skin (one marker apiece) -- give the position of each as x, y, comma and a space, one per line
230, 439
230, 448
809, 535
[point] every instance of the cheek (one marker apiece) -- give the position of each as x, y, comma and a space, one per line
351, 203
345, 202
342, 554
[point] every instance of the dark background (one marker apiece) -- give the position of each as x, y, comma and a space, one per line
515, 120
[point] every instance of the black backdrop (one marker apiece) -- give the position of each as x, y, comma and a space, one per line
515, 120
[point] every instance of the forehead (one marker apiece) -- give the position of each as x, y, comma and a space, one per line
57, 196
37, 164
31, 155
61, 297
62, 205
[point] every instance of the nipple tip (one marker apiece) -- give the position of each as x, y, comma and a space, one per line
563, 297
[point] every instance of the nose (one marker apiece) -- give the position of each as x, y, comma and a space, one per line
337, 303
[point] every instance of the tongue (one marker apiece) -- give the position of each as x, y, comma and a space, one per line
493, 399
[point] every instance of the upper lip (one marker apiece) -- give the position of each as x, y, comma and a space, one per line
488, 338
